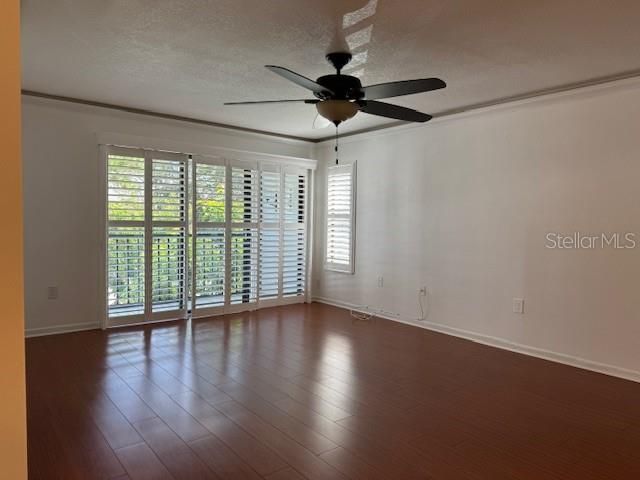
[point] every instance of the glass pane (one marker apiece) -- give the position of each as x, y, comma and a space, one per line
210, 186
244, 195
125, 271
269, 201
168, 185
294, 262
210, 267
168, 268
244, 265
269, 262
294, 195
125, 188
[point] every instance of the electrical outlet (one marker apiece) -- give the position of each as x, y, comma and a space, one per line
380, 281
518, 305
423, 291
52, 293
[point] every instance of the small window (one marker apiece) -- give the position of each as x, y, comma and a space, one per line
339, 247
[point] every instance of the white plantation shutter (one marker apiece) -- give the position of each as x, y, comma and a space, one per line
339, 246
283, 261
270, 237
203, 235
209, 260
125, 177
243, 245
294, 235
168, 239
146, 235
126, 234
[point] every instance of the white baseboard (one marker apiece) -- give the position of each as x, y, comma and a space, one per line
56, 329
498, 342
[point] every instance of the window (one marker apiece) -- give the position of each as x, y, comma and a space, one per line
340, 232
201, 235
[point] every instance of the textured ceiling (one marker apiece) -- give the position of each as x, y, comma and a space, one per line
188, 57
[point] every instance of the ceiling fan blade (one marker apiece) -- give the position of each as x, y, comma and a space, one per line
298, 79
393, 111
271, 101
406, 87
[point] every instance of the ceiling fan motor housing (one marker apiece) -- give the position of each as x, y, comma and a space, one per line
340, 87
344, 87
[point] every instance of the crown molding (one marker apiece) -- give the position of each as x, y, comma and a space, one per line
167, 116
623, 78
630, 78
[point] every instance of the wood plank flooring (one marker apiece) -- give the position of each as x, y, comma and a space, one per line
306, 391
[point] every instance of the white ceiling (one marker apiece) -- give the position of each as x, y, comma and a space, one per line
188, 57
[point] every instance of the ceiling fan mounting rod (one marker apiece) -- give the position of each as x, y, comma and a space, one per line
338, 59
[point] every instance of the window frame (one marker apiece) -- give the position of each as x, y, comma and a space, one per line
207, 155
332, 266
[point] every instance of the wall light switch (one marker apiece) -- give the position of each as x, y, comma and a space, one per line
518, 305
380, 281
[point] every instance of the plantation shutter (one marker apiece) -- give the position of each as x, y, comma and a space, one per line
270, 236
243, 233
201, 235
168, 236
294, 232
209, 230
146, 235
339, 246
125, 233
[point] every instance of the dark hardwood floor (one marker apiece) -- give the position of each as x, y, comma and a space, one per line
307, 392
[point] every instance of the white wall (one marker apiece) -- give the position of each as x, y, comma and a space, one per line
462, 205
61, 202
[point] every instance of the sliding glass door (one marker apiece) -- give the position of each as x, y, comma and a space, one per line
147, 212
201, 235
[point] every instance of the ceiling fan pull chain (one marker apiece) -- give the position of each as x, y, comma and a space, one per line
336, 147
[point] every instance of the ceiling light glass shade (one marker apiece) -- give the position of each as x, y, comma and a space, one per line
337, 111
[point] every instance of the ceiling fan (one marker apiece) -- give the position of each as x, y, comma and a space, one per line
339, 97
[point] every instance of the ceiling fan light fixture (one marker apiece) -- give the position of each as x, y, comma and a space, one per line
337, 111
